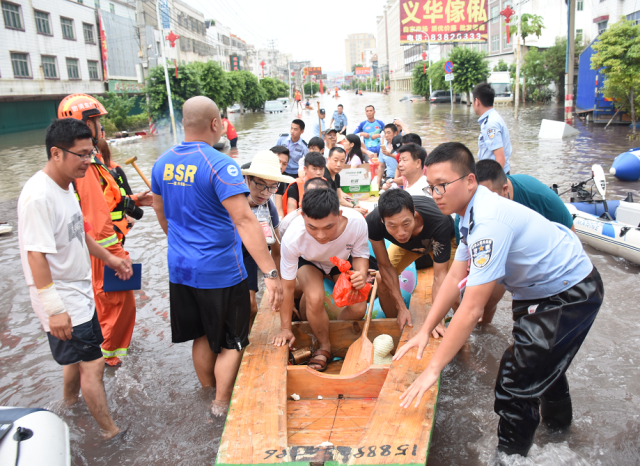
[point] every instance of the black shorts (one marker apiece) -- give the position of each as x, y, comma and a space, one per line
333, 272
84, 345
252, 269
233, 142
222, 314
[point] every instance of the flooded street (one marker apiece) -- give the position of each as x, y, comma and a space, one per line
156, 394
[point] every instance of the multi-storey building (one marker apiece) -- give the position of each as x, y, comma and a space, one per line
355, 45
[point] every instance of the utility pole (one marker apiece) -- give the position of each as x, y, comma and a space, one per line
518, 61
569, 64
166, 73
144, 51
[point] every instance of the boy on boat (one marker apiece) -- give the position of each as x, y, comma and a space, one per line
54, 249
200, 198
314, 165
324, 230
557, 295
415, 227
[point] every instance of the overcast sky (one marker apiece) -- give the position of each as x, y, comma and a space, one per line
309, 30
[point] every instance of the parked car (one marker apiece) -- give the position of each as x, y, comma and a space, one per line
273, 106
284, 100
235, 108
411, 98
441, 97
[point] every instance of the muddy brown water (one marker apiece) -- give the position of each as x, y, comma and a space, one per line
156, 394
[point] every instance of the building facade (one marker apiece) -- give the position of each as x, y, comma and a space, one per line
354, 47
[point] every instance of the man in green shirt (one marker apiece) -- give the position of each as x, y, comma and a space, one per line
529, 192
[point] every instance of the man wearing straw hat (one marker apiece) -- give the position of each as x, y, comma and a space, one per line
263, 178
200, 199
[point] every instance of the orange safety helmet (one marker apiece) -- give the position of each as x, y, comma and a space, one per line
81, 107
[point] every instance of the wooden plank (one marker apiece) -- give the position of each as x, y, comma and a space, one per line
310, 384
341, 422
394, 435
342, 333
257, 414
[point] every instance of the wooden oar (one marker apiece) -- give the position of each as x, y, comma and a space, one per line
360, 354
132, 161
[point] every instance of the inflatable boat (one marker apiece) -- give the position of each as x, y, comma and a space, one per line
609, 226
222, 144
626, 166
33, 437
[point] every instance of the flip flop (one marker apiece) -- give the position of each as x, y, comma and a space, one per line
319, 362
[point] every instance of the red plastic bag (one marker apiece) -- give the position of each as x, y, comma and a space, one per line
344, 294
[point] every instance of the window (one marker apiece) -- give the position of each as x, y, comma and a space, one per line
602, 26
20, 62
43, 24
495, 14
580, 5
578, 35
67, 28
72, 68
495, 43
635, 17
12, 16
88, 33
93, 69
112, 8
484, 47
49, 67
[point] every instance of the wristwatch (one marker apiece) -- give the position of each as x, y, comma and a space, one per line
272, 274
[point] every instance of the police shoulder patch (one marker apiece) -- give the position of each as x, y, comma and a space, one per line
481, 252
491, 132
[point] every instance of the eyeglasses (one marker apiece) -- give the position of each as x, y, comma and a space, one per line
263, 187
431, 189
82, 156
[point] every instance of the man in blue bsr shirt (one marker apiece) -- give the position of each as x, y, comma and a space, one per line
557, 294
199, 196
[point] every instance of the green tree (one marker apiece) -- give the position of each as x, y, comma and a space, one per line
213, 82
185, 86
470, 68
436, 73
311, 89
538, 75
531, 24
270, 86
253, 95
353, 67
501, 66
236, 88
118, 106
618, 58
420, 79
283, 88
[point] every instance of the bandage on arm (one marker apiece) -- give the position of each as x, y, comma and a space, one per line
51, 301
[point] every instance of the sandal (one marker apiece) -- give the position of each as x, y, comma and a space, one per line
319, 362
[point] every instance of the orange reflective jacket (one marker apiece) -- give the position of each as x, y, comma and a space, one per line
285, 196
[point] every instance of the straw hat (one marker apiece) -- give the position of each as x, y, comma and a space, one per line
266, 165
341, 137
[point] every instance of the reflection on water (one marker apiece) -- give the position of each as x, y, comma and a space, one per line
156, 394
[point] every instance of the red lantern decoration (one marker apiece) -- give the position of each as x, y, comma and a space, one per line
507, 13
172, 38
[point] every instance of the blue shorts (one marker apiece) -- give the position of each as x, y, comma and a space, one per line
84, 344
375, 149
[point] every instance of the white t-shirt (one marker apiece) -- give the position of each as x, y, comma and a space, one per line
297, 242
50, 221
416, 188
286, 221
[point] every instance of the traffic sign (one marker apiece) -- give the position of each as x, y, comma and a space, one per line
448, 77
448, 67
322, 76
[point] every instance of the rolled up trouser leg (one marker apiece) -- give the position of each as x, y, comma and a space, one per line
547, 334
555, 404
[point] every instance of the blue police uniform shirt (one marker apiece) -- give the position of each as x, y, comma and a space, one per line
296, 151
493, 136
339, 121
205, 249
371, 127
531, 256
316, 132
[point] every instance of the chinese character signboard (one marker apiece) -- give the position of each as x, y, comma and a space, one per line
130, 87
312, 71
235, 63
363, 70
443, 21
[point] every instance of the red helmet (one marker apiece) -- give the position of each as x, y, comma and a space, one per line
80, 107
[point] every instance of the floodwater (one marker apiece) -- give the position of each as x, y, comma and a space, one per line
156, 395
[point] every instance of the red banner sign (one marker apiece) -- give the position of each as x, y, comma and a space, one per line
363, 70
443, 21
103, 49
312, 70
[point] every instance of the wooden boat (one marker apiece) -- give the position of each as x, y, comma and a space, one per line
352, 420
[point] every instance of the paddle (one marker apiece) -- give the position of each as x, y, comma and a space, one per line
360, 354
319, 122
132, 161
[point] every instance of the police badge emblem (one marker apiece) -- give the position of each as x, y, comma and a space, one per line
491, 132
481, 252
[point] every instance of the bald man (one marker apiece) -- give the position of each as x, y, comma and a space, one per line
200, 199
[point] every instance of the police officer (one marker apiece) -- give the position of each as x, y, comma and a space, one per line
557, 294
494, 142
296, 145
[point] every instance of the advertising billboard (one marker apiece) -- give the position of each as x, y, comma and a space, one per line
441, 21
312, 71
235, 63
363, 70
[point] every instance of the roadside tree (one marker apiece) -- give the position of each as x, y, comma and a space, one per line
470, 68
185, 86
618, 58
213, 82
421, 79
253, 95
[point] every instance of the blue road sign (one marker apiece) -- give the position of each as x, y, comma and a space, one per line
448, 67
